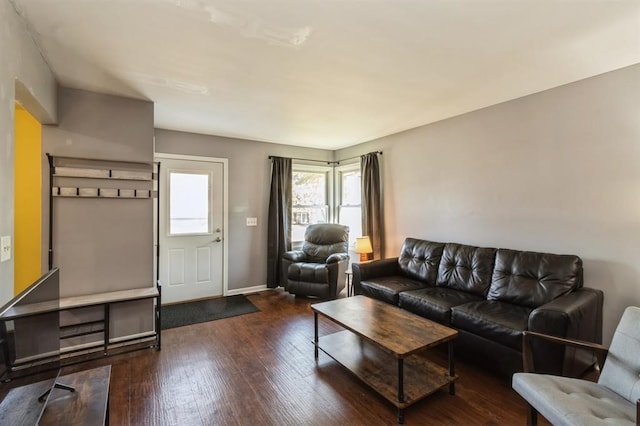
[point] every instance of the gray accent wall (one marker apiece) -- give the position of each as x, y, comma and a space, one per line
25, 77
93, 125
557, 171
103, 245
249, 184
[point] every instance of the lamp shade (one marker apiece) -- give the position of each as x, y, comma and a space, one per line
363, 246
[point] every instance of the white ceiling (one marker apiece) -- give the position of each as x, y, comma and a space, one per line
327, 73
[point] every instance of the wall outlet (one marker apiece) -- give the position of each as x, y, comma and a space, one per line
252, 221
5, 248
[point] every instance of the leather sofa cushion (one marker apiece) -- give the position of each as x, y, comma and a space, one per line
308, 272
435, 303
466, 268
497, 321
419, 260
323, 239
387, 288
533, 279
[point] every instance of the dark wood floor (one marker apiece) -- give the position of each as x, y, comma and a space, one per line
259, 369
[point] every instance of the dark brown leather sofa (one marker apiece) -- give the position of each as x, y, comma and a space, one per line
491, 296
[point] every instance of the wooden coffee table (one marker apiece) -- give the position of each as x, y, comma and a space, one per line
381, 346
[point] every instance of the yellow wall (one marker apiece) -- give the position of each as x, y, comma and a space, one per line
28, 195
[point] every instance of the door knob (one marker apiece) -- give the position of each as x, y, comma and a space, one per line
217, 240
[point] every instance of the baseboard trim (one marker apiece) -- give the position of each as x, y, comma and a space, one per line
246, 290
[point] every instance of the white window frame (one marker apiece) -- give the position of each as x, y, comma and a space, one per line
328, 171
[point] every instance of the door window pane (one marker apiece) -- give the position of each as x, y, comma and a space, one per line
189, 203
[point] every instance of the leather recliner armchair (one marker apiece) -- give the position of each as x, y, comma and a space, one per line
318, 269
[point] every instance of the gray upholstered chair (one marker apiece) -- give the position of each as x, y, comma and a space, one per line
614, 399
319, 268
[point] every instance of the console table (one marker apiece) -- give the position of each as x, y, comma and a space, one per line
87, 405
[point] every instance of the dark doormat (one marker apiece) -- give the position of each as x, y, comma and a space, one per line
182, 314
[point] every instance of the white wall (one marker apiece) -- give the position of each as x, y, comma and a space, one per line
557, 171
24, 67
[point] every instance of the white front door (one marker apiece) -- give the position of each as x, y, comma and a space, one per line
192, 227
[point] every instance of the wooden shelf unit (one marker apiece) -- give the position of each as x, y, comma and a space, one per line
106, 301
75, 168
133, 180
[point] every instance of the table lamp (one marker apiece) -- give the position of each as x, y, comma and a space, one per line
363, 246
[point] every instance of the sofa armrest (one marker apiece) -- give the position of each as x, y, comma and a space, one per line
375, 268
295, 256
599, 350
576, 315
337, 257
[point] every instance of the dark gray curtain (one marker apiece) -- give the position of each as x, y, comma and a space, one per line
372, 223
280, 203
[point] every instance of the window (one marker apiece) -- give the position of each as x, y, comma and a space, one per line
189, 203
349, 199
313, 200
311, 192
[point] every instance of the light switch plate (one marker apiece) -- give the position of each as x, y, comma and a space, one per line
5, 248
252, 221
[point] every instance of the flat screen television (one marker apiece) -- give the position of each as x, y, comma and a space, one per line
30, 325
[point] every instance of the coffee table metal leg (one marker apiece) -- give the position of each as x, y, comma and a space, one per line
400, 380
452, 385
315, 334
400, 389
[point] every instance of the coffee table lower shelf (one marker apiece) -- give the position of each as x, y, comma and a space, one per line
378, 368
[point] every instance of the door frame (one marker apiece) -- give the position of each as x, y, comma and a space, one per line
158, 157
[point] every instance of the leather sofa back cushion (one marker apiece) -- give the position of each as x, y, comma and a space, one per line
419, 259
466, 268
533, 279
324, 239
